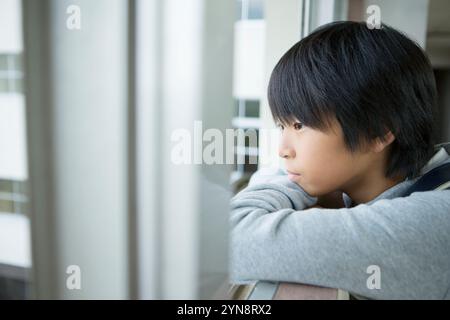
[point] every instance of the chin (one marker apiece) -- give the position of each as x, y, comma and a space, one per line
314, 192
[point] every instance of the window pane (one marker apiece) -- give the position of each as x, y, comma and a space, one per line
14, 227
250, 9
256, 10
252, 109
3, 62
4, 87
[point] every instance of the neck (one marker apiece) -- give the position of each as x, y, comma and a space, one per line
367, 188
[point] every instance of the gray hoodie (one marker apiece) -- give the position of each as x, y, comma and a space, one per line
403, 241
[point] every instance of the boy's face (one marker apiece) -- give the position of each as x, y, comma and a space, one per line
320, 161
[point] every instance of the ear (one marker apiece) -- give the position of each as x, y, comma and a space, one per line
380, 144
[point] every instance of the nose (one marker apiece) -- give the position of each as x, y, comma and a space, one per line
286, 152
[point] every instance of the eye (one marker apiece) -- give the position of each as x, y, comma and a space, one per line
279, 125
298, 126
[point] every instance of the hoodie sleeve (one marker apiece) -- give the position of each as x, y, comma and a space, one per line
275, 237
276, 190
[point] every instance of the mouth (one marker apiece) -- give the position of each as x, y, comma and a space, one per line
293, 175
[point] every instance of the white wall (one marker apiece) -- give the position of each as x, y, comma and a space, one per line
10, 26
283, 21
13, 162
248, 80
15, 240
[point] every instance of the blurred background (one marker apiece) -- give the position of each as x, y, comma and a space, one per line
91, 207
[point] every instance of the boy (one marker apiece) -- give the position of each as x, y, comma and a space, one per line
356, 110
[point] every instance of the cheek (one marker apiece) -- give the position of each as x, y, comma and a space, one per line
324, 163
325, 175
334, 174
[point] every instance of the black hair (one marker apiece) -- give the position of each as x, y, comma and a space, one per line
370, 81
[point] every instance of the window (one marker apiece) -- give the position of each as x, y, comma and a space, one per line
13, 197
15, 257
248, 80
246, 117
250, 9
11, 75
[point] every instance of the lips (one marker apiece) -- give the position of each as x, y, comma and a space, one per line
293, 176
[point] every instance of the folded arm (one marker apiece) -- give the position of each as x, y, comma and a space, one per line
276, 236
